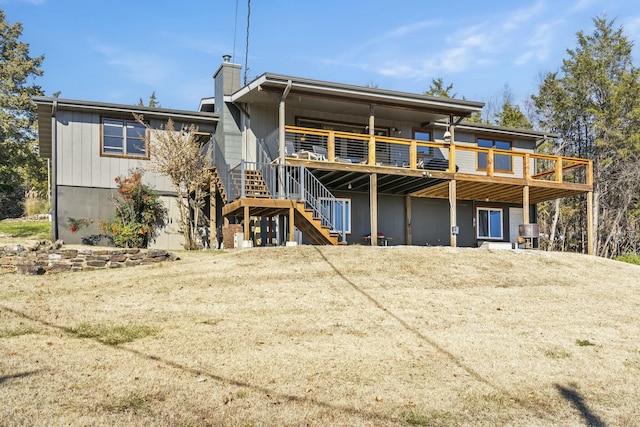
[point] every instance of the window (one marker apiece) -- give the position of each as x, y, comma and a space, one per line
123, 138
489, 223
337, 212
501, 162
423, 135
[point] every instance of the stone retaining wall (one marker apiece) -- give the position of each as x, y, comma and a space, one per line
53, 258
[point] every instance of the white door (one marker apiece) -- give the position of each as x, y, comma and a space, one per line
516, 217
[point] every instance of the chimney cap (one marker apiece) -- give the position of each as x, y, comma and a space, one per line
226, 58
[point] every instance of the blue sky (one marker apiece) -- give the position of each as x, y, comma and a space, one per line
119, 51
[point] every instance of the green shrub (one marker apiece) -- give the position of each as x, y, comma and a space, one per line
139, 213
630, 258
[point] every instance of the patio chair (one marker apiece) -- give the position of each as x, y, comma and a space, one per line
319, 152
289, 151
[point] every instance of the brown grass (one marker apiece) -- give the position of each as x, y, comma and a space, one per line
348, 336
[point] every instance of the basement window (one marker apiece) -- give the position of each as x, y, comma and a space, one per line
489, 223
122, 138
335, 213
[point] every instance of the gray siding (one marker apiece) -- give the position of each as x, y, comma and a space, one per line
96, 204
80, 163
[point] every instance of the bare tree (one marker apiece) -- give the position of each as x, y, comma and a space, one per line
177, 154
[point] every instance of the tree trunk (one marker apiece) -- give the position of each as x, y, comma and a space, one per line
554, 224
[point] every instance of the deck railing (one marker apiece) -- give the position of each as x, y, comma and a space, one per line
375, 150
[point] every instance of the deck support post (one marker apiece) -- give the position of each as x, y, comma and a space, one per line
292, 227
452, 214
525, 204
407, 220
247, 223
373, 204
213, 228
270, 230
590, 233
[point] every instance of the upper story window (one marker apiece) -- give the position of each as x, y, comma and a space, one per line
501, 162
123, 138
423, 135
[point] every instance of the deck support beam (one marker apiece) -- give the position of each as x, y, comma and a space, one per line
213, 228
247, 223
407, 220
452, 213
373, 204
292, 225
525, 204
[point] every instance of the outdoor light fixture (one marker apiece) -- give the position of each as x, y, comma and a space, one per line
447, 137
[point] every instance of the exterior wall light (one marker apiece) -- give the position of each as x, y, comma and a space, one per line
447, 137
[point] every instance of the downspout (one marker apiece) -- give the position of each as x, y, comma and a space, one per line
281, 120
54, 178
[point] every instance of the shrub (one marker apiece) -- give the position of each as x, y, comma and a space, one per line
139, 213
630, 258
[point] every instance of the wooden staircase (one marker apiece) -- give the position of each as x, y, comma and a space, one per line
312, 227
254, 185
217, 182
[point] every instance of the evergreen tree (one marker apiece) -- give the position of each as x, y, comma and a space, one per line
20, 165
593, 102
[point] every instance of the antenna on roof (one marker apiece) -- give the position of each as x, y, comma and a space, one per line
246, 54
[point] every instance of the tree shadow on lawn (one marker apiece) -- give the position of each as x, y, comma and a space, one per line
578, 401
273, 394
539, 412
18, 375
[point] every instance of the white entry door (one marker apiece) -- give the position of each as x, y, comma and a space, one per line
516, 217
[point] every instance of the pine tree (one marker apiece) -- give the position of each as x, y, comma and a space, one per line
19, 164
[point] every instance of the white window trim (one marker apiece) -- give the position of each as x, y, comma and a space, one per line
489, 209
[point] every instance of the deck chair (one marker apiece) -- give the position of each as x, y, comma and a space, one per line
320, 153
289, 151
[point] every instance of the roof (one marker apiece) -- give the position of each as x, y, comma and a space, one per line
47, 108
351, 99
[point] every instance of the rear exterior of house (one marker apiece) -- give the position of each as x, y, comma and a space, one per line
297, 161
397, 168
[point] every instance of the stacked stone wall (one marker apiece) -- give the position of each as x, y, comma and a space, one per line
54, 258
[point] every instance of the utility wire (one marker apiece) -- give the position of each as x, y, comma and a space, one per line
246, 55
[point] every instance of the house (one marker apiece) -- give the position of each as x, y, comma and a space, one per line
298, 160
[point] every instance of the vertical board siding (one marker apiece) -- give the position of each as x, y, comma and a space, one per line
80, 163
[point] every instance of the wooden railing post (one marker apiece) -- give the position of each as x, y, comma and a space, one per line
559, 169
413, 154
490, 166
372, 151
589, 174
452, 157
526, 172
331, 146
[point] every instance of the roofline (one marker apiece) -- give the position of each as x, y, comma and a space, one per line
364, 93
148, 112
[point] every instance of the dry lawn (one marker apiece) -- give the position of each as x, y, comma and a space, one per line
347, 336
